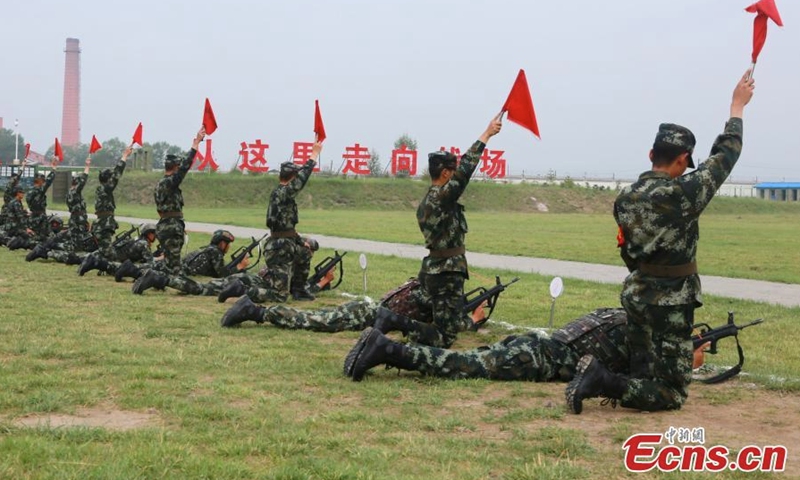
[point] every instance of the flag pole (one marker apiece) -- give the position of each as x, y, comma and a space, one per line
752, 69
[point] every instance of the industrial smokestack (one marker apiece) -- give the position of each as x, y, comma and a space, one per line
71, 116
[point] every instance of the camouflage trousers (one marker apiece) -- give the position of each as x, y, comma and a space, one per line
533, 357
103, 230
170, 233
351, 316
190, 286
40, 226
287, 265
446, 291
66, 256
659, 340
78, 226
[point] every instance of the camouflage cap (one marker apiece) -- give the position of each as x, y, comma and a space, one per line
678, 136
290, 167
39, 176
171, 160
105, 175
17, 189
442, 159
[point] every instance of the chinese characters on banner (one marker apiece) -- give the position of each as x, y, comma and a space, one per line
355, 159
201, 161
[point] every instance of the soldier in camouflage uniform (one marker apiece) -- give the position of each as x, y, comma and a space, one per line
132, 258
78, 220
37, 203
16, 224
658, 232
287, 268
535, 356
443, 224
236, 284
408, 300
58, 246
105, 225
8, 194
169, 203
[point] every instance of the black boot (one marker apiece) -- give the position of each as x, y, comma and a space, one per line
387, 321
374, 348
593, 379
244, 309
39, 251
73, 259
17, 242
127, 269
301, 294
234, 288
151, 279
92, 262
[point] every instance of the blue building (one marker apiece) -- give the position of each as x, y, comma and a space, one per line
779, 191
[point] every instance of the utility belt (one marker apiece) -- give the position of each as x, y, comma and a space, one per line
170, 214
78, 212
283, 234
447, 252
668, 271
104, 214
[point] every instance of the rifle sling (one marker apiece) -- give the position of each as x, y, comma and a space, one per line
447, 252
668, 271
731, 372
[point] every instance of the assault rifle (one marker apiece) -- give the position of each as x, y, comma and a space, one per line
714, 335
322, 269
243, 252
482, 294
123, 238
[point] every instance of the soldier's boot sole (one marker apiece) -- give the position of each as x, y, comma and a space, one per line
355, 353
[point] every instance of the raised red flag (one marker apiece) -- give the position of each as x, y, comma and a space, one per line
95, 146
520, 106
764, 9
209, 121
27, 150
58, 152
319, 128
137, 135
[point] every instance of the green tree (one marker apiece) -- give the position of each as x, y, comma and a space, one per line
7, 140
374, 164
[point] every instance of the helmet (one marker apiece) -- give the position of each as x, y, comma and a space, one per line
56, 224
75, 177
105, 175
312, 244
222, 236
146, 228
17, 189
171, 160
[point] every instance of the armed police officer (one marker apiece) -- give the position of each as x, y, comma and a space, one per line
287, 262
16, 224
132, 256
658, 233
36, 198
443, 225
105, 225
169, 203
8, 193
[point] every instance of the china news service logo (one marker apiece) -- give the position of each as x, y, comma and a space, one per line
685, 451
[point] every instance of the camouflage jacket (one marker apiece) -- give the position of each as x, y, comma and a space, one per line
12, 182
16, 218
168, 195
658, 217
104, 198
37, 196
139, 251
282, 210
208, 261
441, 218
75, 202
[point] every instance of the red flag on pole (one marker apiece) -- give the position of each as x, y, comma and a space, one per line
520, 106
95, 145
319, 128
764, 9
27, 150
137, 135
209, 121
58, 152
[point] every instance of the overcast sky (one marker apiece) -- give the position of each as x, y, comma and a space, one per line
603, 75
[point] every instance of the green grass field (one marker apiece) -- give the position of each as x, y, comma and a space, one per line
259, 402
